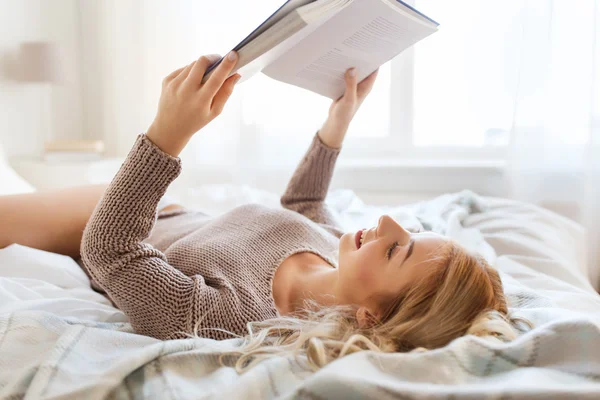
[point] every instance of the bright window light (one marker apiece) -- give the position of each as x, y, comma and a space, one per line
466, 74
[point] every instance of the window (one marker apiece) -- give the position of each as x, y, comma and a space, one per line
453, 95
497, 66
455, 90
466, 74
285, 116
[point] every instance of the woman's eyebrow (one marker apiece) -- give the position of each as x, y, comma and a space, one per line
411, 246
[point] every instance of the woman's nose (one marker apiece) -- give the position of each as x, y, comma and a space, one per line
387, 225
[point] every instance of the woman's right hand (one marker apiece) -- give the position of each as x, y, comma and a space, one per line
186, 105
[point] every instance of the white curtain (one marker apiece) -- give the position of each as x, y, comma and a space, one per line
554, 154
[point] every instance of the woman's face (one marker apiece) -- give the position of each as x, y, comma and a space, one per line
366, 274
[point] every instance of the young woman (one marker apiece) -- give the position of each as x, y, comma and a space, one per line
268, 271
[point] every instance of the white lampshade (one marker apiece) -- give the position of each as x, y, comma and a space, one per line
41, 62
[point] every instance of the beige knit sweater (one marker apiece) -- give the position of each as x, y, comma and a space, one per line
172, 272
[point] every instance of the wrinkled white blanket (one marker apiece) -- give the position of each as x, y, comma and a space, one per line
59, 339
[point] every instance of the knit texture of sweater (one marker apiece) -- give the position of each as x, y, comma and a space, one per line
183, 269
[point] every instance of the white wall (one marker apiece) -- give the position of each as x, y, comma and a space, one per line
104, 56
23, 120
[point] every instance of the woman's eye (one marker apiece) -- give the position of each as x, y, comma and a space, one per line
392, 247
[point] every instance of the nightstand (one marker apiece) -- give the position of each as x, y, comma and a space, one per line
61, 174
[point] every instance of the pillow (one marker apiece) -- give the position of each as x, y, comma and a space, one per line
10, 181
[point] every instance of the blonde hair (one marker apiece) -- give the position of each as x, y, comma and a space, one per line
460, 294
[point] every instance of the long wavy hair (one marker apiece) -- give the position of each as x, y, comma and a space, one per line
460, 294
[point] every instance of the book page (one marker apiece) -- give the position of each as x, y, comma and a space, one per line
365, 34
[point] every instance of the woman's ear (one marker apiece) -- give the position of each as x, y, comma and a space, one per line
365, 318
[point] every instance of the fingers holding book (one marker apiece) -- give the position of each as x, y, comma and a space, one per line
366, 85
351, 78
342, 110
220, 74
186, 105
199, 69
356, 92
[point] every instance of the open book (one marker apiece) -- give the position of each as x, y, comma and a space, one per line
311, 43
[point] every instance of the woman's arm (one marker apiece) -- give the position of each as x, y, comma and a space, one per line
156, 297
159, 300
309, 185
343, 110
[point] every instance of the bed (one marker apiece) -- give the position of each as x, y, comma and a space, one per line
60, 339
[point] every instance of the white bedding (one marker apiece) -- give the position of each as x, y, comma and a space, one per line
10, 181
60, 339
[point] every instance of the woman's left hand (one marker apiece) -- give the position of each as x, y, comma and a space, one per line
343, 110
186, 104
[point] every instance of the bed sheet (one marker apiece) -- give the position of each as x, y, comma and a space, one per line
59, 339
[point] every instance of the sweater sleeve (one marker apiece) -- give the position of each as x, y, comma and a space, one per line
308, 187
159, 300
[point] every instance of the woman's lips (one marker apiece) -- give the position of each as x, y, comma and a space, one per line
357, 238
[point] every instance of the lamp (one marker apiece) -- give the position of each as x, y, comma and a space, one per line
41, 62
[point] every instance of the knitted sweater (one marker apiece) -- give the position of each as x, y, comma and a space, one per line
183, 269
